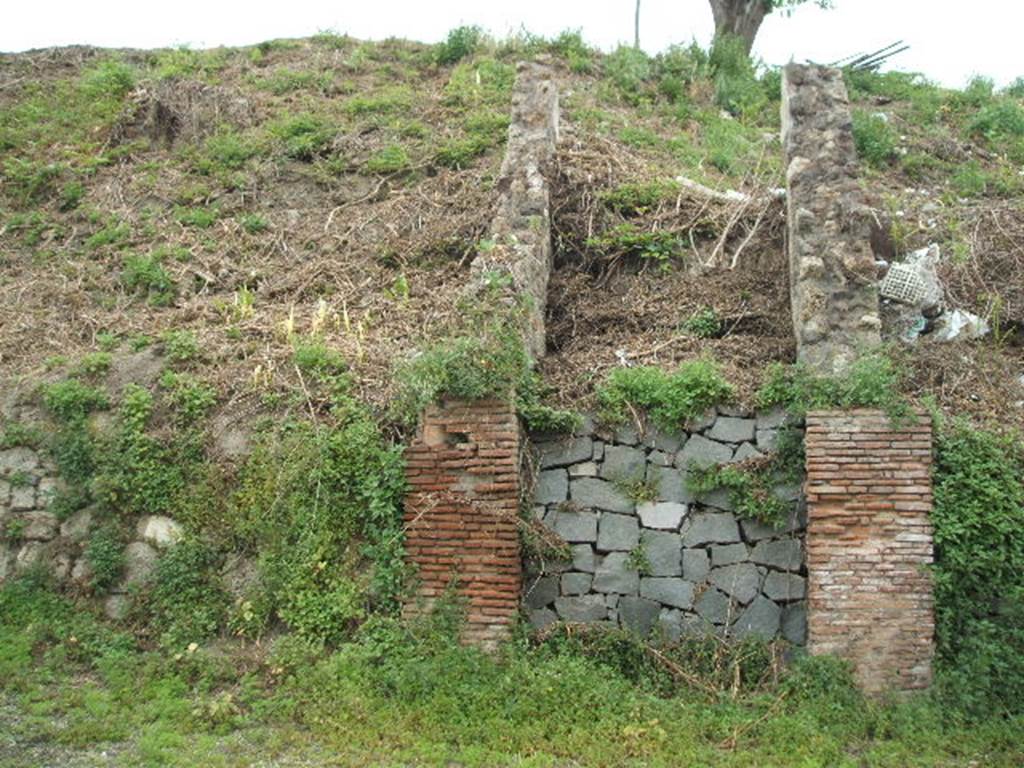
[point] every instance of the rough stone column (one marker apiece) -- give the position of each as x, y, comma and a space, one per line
521, 228
869, 546
831, 264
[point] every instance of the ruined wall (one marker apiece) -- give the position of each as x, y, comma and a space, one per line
520, 233
461, 513
675, 564
869, 545
831, 265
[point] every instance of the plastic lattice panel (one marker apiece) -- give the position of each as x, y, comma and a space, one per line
903, 283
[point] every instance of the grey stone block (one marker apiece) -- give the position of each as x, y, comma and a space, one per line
702, 422
759, 619
614, 575
581, 608
711, 528
719, 498
784, 554
788, 491
552, 487
599, 494
740, 581
76, 527
622, 462
139, 562
23, 497
696, 565
670, 484
794, 623
541, 617
586, 469
617, 532
713, 606
773, 418
670, 624
572, 450
667, 515
669, 591
583, 558
576, 527
747, 451
576, 583
767, 439
39, 525
729, 429
638, 615
612, 601
755, 530
598, 450
668, 442
785, 586
727, 554
626, 434
663, 551
702, 452
735, 409
18, 460
542, 591
660, 458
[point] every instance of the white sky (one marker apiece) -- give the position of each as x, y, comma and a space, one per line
950, 40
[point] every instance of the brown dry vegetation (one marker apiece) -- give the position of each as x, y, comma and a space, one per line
364, 237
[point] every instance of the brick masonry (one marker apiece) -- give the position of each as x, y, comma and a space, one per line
461, 513
869, 546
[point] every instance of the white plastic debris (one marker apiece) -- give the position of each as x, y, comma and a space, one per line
958, 324
914, 281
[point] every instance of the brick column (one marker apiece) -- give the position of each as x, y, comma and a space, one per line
869, 546
461, 512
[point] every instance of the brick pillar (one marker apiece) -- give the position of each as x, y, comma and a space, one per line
869, 546
461, 512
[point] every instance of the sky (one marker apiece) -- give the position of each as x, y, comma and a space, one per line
950, 41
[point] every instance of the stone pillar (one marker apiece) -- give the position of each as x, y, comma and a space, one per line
520, 234
461, 514
869, 546
831, 265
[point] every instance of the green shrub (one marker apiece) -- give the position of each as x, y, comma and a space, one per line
397, 99
253, 223
628, 68
1002, 120
875, 139
180, 346
460, 43
71, 400
303, 137
186, 603
203, 218
485, 81
71, 195
108, 79
670, 398
1015, 90
105, 554
459, 153
637, 199
391, 159
490, 363
979, 571
751, 492
190, 398
737, 89
570, 45
145, 274
226, 149
704, 324
874, 380
626, 239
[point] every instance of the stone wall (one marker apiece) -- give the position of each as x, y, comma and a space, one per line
831, 264
869, 545
678, 563
34, 536
461, 513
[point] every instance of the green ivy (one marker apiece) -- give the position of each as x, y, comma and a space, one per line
671, 398
979, 572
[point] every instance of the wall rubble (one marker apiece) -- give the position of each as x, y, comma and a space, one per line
833, 288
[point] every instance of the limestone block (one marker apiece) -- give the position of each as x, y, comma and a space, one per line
40, 525
139, 562
159, 530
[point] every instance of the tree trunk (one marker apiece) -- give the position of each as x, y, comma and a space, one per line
636, 26
739, 18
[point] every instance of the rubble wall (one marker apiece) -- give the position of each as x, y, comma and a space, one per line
831, 264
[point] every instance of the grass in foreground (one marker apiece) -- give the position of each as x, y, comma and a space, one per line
74, 688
